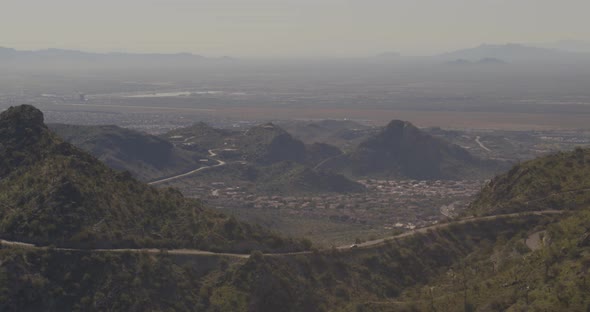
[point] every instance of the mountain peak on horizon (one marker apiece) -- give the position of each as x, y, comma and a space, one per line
505, 45
511, 52
52, 54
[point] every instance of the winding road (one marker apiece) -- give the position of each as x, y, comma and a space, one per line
176, 177
327, 160
365, 245
423, 230
477, 140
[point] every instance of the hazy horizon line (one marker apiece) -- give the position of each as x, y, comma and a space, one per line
311, 55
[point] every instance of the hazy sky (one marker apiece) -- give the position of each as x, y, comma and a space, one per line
287, 28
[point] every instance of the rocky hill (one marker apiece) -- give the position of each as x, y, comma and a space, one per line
263, 144
267, 144
345, 134
288, 178
559, 181
147, 157
53, 193
403, 150
544, 268
267, 158
201, 137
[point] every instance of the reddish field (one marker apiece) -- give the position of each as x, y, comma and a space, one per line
444, 119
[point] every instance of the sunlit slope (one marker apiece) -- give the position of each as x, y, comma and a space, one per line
560, 181
53, 193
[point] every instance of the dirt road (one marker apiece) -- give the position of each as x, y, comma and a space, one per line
365, 245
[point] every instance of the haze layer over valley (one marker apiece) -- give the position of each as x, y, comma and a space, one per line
294, 155
263, 152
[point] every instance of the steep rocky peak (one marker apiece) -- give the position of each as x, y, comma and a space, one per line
21, 126
24, 138
21, 117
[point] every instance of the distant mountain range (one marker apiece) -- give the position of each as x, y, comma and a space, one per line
73, 56
483, 61
565, 45
512, 53
561, 51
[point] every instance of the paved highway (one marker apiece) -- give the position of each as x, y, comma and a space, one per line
477, 140
176, 177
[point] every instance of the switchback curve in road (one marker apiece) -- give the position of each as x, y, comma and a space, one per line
176, 177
